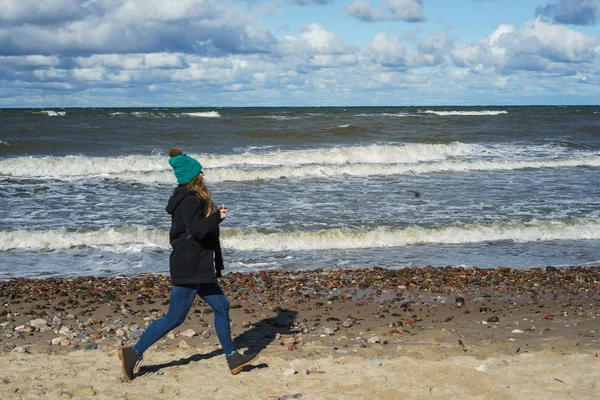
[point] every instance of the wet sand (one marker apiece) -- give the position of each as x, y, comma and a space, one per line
326, 334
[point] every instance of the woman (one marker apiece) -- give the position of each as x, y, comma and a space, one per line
194, 264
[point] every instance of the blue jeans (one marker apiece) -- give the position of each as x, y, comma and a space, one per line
182, 298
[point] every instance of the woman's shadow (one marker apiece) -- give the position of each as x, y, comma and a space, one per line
256, 339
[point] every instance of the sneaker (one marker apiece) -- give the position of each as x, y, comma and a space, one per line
237, 361
130, 360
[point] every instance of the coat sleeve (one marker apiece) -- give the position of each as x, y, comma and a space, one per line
191, 211
218, 259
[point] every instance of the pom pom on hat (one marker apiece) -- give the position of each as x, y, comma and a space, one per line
184, 167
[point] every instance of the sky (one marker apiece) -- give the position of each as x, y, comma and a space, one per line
226, 53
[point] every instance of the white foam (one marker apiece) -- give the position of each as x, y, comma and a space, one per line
122, 240
135, 239
51, 113
147, 170
465, 113
400, 114
459, 234
206, 114
154, 168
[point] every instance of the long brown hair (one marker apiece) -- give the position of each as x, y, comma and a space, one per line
198, 186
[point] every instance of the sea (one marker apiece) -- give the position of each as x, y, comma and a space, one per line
83, 190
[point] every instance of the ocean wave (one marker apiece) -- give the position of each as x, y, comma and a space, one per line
52, 113
207, 114
77, 166
464, 113
136, 239
400, 114
361, 170
157, 172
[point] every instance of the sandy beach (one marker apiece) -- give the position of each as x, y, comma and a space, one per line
422, 333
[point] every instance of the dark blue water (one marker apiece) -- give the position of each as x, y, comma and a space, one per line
83, 190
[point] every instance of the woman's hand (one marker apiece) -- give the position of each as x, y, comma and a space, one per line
223, 211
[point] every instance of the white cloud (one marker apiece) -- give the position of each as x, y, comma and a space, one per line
393, 52
537, 46
313, 39
308, 2
576, 12
132, 26
39, 11
390, 52
29, 61
390, 10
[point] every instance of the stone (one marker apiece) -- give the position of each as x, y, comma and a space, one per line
188, 333
20, 349
38, 323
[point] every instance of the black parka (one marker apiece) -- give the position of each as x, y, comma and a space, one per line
196, 255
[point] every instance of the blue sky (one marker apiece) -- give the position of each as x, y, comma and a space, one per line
128, 53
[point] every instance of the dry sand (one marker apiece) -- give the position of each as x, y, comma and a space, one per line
518, 335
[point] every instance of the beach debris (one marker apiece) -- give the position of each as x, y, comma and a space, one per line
295, 363
291, 396
188, 333
61, 341
462, 345
377, 363
39, 323
373, 339
289, 342
482, 368
91, 346
460, 301
289, 371
484, 310
20, 349
517, 331
502, 363
493, 320
341, 351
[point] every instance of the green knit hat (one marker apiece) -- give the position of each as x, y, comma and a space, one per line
185, 167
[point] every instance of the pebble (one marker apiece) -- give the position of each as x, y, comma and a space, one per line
291, 396
482, 368
373, 339
517, 331
188, 333
183, 345
289, 371
340, 351
20, 349
38, 323
377, 363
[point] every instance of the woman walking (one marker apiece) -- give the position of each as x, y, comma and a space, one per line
195, 263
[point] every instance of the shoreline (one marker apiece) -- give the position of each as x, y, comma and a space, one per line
324, 321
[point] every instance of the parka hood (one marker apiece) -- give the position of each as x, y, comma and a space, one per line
180, 193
